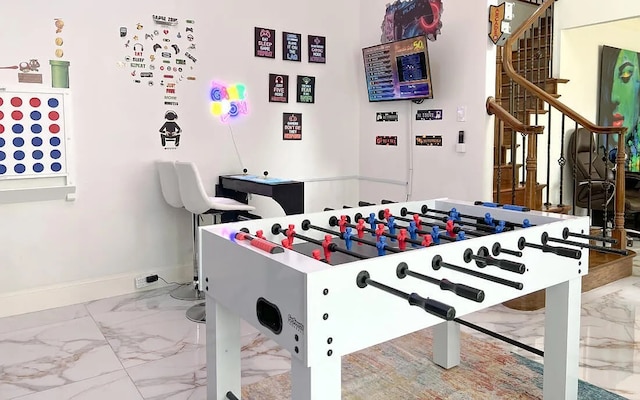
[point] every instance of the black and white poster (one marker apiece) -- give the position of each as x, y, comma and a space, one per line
278, 88
428, 115
291, 126
291, 46
265, 42
306, 89
317, 49
388, 116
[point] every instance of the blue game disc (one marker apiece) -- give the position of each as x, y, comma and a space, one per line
36, 141
3, 169
1, 142
56, 167
35, 115
18, 142
19, 168
37, 154
54, 141
36, 128
2, 155
55, 154
37, 167
18, 155
53, 103
17, 128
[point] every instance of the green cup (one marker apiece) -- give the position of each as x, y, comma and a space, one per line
59, 73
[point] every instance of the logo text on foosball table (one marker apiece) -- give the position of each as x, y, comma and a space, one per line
295, 324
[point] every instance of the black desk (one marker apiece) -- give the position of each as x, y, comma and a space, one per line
289, 194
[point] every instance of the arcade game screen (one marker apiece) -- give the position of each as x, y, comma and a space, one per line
398, 70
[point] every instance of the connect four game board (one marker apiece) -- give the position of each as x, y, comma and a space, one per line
32, 134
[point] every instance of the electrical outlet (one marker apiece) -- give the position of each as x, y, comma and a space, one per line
141, 281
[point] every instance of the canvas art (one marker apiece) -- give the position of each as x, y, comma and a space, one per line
619, 101
410, 18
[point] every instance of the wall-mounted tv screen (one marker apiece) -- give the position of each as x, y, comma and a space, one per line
398, 70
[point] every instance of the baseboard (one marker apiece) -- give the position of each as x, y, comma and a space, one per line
69, 293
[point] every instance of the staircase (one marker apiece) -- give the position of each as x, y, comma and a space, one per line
528, 112
531, 59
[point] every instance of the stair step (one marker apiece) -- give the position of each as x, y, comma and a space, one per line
558, 208
505, 195
506, 175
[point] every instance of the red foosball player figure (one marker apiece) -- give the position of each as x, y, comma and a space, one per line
342, 223
286, 244
402, 237
360, 229
325, 246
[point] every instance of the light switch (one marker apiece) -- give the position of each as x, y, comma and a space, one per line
461, 114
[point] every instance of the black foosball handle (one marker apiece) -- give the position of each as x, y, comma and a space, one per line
365, 204
433, 306
231, 396
461, 290
387, 202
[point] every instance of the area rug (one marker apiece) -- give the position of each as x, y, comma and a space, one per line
402, 369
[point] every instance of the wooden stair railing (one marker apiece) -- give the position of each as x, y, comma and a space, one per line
530, 178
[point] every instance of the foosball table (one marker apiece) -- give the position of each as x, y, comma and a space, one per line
326, 284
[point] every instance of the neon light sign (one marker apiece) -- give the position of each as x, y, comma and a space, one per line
228, 101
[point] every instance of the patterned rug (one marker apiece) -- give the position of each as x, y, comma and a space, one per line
402, 369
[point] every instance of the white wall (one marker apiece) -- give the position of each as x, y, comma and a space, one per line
54, 253
463, 74
580, 13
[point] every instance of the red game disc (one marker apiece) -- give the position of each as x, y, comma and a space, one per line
16, 101
16, 115
53, 115
54, 128
35, 102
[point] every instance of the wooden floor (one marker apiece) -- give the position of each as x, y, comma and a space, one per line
603, 268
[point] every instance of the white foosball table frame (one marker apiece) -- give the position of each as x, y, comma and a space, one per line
325, 315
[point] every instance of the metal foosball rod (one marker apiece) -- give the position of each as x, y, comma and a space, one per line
327, 245
431, 306
545, 238
425, 209
456, 229
400, 237
372, 220
437, 263
566, 233
497, 249
468, 292
561, 251
306, 225
483, 259
446, 218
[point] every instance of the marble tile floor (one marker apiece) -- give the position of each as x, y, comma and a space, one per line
141, 346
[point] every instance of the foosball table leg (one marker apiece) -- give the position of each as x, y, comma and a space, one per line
562, 340
446, 344
319, 382
223, 356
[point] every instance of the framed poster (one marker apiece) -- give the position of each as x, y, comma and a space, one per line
291, 46
291, 126
265, 42
306, 89
317, 49
278, 88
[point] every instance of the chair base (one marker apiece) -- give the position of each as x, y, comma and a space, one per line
197, 313
187, 292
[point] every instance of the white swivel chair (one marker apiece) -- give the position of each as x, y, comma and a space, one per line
198, 202
171, 193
